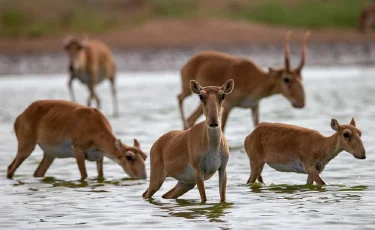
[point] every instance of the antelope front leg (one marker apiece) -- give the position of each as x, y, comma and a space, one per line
309, 180
255, 114
70, 86
80, 158
99, 167
313, 175
200, 183
222, 183
93, 96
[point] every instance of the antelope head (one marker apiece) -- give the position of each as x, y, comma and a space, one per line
132, 159
212, 98
289, 80
349, 138
75, 49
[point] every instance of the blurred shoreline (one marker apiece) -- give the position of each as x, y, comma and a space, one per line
162, 59
166, 44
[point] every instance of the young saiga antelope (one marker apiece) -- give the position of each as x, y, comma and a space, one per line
65, 129
252, 83
288, 148
194, 155
91, 62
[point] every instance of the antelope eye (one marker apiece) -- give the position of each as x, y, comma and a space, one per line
201, 97
286, 80
222, 97
346, 135
129, 158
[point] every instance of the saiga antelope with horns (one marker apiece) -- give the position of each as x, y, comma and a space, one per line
252, 83
91, 62
289, 148
194, 155
65, 129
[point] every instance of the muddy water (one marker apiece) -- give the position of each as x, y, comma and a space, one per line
148, 109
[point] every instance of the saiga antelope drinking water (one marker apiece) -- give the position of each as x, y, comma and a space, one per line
289, 148
65, 129
252, 83
194, 155
91, 62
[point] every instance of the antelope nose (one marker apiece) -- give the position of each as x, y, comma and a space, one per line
214, 125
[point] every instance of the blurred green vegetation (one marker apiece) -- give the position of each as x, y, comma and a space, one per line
38, 18
308, 13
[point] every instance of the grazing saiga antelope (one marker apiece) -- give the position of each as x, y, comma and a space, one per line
65, 129
252, 83
91, 62
366, 19
289, 148
194, 155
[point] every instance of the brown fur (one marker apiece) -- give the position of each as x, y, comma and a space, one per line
252, 83
366, 19
282, 144
91, 62
194, 155
52, 122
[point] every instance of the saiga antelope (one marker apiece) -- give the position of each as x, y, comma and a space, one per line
289, 148
65, 129
366, 19
252, 83
91, 62
194, 155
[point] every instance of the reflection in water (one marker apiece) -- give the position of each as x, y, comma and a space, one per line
334, 193
91, 183
194, 210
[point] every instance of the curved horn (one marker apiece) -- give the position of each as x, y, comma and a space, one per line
303, 51
286, 50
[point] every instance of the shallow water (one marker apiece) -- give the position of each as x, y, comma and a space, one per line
148, 107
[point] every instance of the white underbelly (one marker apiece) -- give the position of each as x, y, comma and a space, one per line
65, 150
209, 164
293, 166
249, 102
85, 78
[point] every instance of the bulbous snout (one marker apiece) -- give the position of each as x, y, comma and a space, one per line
360, 155
298, 105
143, 175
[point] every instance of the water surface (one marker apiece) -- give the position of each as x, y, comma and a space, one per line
148, 108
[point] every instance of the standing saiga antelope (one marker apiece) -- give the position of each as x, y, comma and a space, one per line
366, 20
65, 129
289, 148
252, 83
194, 155
91, 62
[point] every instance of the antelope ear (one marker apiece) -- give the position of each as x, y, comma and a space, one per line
352, 122
136, 143
335, 124
67, 41
195, 87
118, 145
272, 72
83, 43
228, 86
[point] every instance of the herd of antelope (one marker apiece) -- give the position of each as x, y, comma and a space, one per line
65, 129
